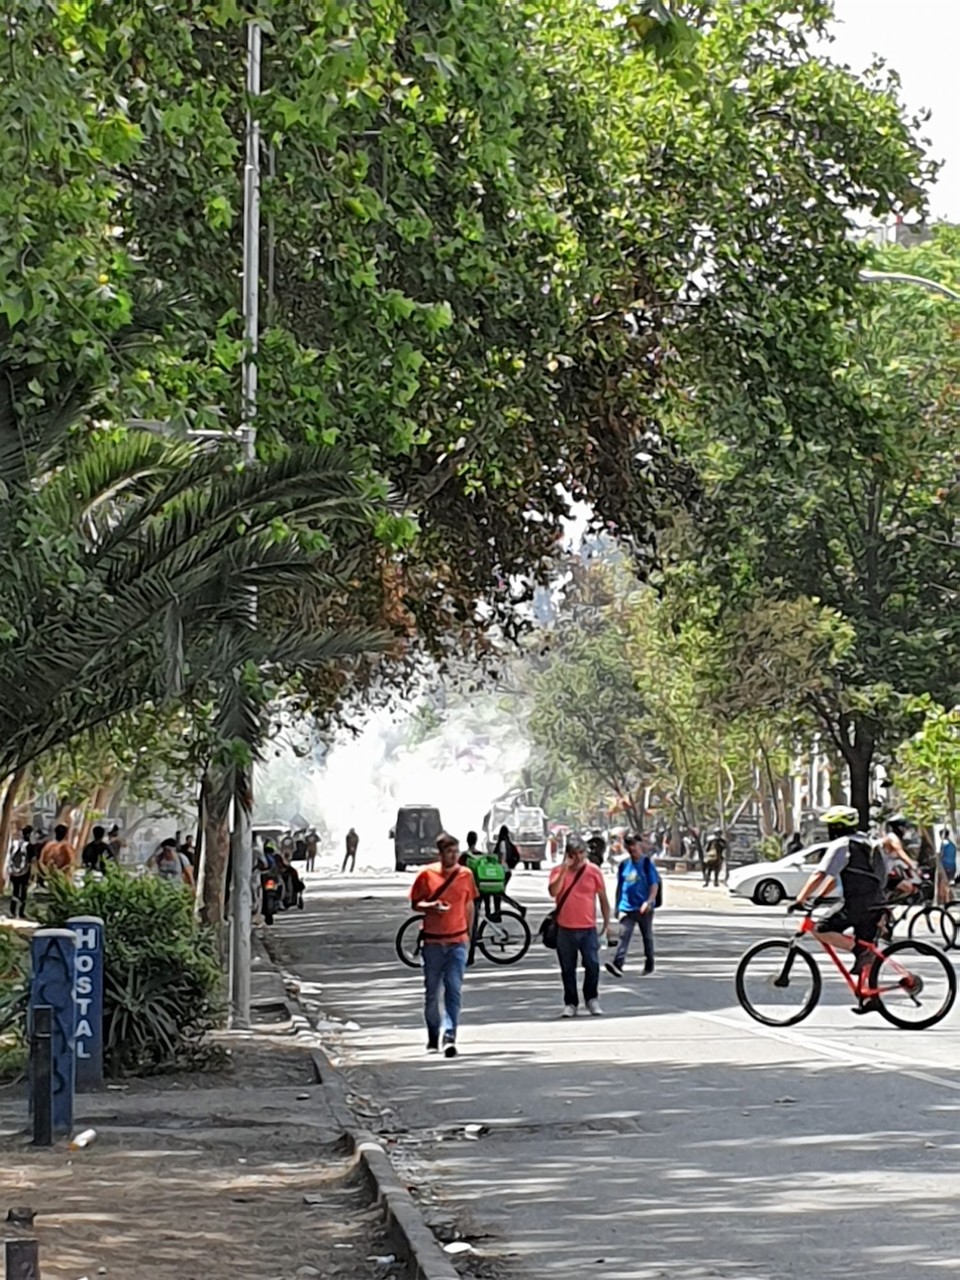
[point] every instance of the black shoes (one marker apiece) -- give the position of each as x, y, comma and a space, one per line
449, 1047
433, 1044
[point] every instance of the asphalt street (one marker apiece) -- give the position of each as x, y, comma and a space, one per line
673, 1137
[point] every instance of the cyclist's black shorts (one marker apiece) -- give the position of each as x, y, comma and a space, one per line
864, 923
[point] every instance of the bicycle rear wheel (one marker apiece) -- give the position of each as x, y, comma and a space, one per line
409, 943
915, 983
778, 983
504, 940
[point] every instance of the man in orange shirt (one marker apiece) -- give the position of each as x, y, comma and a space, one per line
577, 887
58, 854
445, 892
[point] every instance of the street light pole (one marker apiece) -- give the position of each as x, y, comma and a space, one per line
241, 838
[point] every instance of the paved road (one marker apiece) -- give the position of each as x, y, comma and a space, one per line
672, 1138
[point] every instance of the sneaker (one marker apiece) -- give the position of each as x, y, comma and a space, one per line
614, 970
870, 1005
449, 1047
433, 1044
593, 1008
648, 967
569, 1011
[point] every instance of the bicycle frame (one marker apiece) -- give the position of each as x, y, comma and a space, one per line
859, 989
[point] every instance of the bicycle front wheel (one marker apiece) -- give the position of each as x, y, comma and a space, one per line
950, 925
915, 984
932, 924
504, 940
409, 943
778, 983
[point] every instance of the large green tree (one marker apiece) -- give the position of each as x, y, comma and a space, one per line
862, 516
488, 226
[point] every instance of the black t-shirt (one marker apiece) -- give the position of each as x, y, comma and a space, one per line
95, 854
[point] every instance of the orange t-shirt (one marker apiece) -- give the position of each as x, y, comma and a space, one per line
445, 926
580, 909
57, 855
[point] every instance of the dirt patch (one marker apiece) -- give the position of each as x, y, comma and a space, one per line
219, 1177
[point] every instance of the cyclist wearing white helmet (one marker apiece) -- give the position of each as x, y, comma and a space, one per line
857, 865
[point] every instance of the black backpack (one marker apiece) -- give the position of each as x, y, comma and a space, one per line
659, 899
20, 860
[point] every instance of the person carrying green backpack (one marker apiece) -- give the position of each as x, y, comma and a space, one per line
490, 875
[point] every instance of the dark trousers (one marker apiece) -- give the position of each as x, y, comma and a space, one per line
351, 857
574, 944
627, 925
711, 869
18, 895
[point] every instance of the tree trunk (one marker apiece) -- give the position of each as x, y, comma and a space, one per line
6, 813
212, 878
859, 758
96, 805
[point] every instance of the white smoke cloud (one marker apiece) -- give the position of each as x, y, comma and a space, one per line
474, 755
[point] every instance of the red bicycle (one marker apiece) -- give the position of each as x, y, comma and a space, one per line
911, 983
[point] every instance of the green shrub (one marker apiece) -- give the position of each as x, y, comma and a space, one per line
14, 994
162, 982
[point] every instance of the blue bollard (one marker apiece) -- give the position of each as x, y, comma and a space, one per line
88, 1037
53, 955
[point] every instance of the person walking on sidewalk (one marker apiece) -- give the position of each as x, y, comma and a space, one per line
313, 847
716, 851
638, 884
446, 893
58, 854
18, 867
577, 887
353, 840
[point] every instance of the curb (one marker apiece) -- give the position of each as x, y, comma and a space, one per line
412, 1238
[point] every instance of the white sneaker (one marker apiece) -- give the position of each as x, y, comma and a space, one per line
593, 1008
569, 1011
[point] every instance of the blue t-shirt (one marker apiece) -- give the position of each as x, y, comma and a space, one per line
634, 882
948, 856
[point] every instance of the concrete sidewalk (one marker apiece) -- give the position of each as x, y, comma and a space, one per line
239, 1172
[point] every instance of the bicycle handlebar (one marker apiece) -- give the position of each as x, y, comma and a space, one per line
808, 908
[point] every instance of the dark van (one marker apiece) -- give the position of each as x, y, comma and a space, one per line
415, 836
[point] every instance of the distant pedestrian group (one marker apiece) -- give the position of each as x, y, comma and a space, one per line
446, 894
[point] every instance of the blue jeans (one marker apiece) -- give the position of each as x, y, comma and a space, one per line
627, 925
446, 966
571, 945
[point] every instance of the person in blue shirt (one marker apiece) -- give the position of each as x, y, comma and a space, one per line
638, 882
948, 855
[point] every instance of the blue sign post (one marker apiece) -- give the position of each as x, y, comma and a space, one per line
53, 955
88, 1037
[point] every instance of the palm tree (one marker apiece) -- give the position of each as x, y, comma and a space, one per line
132, 562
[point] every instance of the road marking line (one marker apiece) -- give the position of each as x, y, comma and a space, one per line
827, 1050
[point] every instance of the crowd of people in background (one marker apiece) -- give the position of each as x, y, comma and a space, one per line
35, 855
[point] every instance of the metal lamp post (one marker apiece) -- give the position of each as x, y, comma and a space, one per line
241, 839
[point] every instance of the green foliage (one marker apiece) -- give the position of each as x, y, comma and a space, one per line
14, 996
850, 503
926, 770
636, 699
162, 980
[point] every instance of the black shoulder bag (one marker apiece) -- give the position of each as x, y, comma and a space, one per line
548, 929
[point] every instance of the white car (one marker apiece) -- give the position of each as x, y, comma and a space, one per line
767, 883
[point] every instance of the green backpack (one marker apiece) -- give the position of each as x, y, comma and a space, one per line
489, 873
